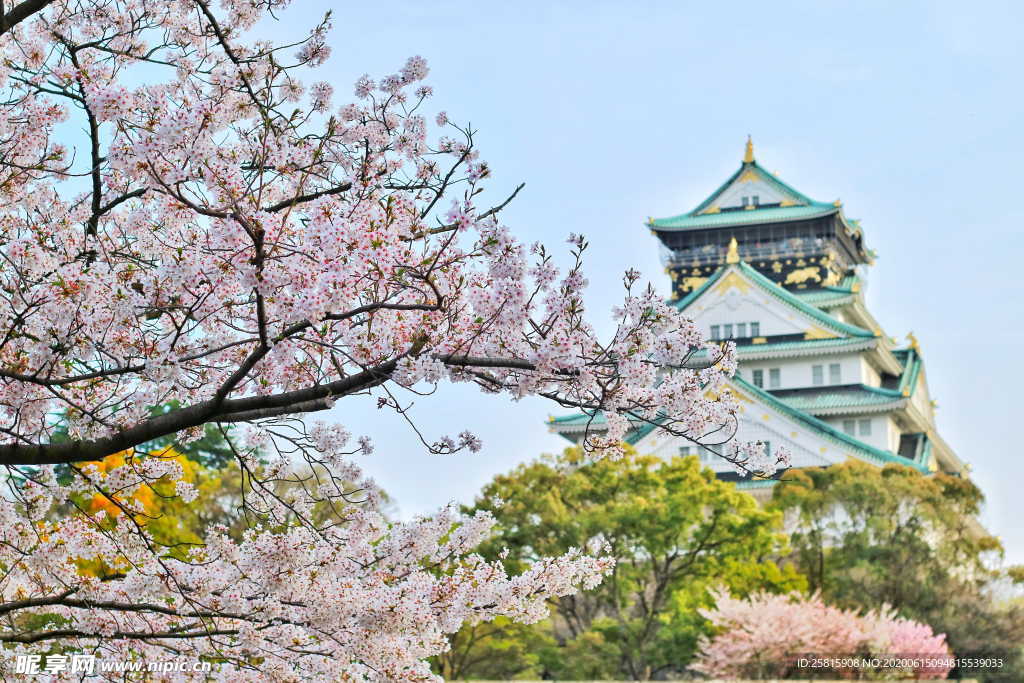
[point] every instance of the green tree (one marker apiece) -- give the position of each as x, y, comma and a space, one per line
501, 649
675, 530
866, 536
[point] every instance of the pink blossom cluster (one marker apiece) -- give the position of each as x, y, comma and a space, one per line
223, 240
370, 601
766, 635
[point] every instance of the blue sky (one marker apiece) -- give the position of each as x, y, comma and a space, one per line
910, 112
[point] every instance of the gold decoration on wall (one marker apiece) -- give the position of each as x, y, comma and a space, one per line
731, 280
733, 255
748, 176
776, 267
831, 280
787, 202
802, 275
726, 391
816, 332
692, 283
758, 340
801, 262
712, 209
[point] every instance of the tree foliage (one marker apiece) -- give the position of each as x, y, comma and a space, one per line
674, 529
867, 537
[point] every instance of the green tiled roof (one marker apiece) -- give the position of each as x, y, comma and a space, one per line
597, 419
756, 483
827, 429
578, 419
823, 298
769, 178
911, 360
827, 296
768, 214
786, 296
827, 399
803, 207
835, 344
872, 453
805, 344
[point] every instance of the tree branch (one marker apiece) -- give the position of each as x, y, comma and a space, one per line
20, 13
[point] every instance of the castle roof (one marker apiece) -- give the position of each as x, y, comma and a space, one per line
751, 196
797, 290
804, 405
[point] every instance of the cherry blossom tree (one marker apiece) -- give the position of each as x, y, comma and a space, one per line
765, 636
184, 223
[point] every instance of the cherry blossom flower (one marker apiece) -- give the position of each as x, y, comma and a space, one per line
214, 245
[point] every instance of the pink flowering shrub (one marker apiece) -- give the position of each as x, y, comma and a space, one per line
766, 635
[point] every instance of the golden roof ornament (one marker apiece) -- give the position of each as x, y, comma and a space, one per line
733, 255
913, 342
748, 155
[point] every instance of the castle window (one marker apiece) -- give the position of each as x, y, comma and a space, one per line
817, 375
850, 427
685, 450
741, 330
727, 331
774, 378
865, 427
759, 378
746, 200
715, 332
757, 200
755, 329
834, 373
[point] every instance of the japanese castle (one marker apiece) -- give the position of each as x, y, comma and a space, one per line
782, 275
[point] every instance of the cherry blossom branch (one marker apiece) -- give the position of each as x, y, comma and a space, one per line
19, 13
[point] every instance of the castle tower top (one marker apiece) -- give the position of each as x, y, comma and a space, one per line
790, 238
